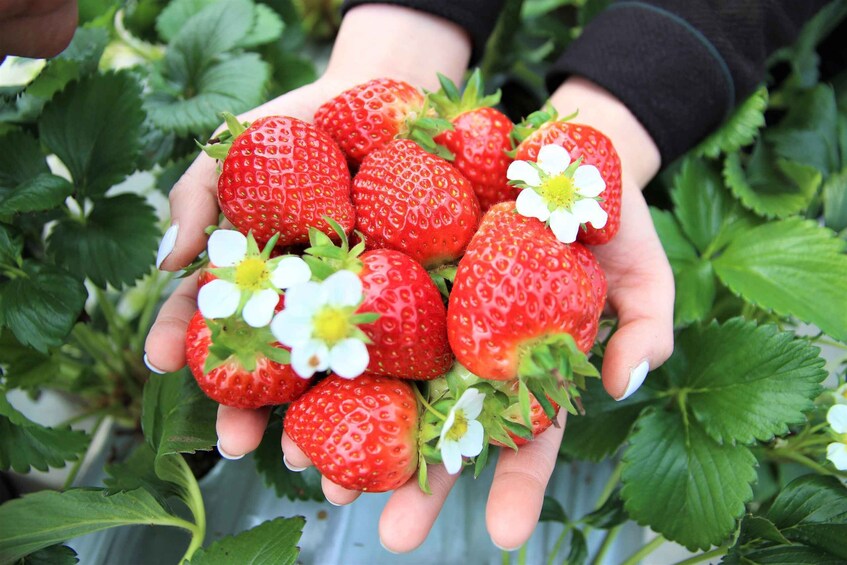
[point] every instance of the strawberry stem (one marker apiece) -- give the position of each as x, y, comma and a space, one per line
427, 405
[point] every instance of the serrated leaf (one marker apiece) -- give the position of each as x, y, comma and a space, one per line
740, 129
267, 27
776, 375
682, 484
25, 444
268, 458
675, 243
115, 245
810, 499
20, 159
176, 14
41, 192
94, 126
792, 267
701, 201
695, 291
176, 416
835, 201
46, 518
270, 543
80, 58
771, 186
138, 470
27, 369
42, 307
53, 555
11, 245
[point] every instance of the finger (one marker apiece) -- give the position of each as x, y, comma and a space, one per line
409, 514
293, 456
517, 491
240, 431
164, 349
337, 495
36, 29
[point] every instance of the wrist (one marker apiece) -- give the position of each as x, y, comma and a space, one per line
377, 40
640, 158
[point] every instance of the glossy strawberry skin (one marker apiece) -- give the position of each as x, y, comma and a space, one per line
360, 433
269, 384
284, 175
595, 149
515, 285
410, 336
368, 116
480, 140
409, 200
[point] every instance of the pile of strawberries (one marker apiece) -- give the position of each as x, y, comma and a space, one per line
385, 279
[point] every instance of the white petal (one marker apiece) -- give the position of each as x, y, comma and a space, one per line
343, 288
349, 358
564, 225
451, 457
837, 418
227, 248
471, 402
523, 171
290, 271
588, 182
531, 205
304, 299
218, 299
837, 453
471, 443
448, 423
291, 329
260, 308
309, 358
553, 159
588, 211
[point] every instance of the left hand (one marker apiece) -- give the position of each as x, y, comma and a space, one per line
36, 28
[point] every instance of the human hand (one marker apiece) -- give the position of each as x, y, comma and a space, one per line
36, 28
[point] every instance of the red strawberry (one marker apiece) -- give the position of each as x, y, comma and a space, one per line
369, 115
359, 433
284, 175
584, 141
415, 202
539, 420
247, 377
480, 138
517, 291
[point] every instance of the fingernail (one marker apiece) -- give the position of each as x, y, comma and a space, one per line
226, 455
152, 367
636, 378
293, 467
333, 503
501, 548
167, 244
386, 549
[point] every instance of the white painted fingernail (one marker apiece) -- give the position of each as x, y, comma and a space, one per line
226, 455
333, 503
292, 467
386, 549
501, 548
167, 244
636, 378
153, 367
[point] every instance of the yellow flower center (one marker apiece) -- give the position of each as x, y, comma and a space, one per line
558, 192
251, 274
459, 428
331, 325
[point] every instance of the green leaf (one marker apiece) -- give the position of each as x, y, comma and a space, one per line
683, 484
115, 245
79, 58
176, 14
810, 499
45, 518
270, 543
835, 201
176, 416
744, 382
27, 369
608, 516
579, 548
139, 471
695, 291
792, 267
268, 458
552, 511
740, 129
267, 27
42, 307
94, 126
20, 159
769, 185
701, 202
38, 193
53, 555
11, 245
25, 444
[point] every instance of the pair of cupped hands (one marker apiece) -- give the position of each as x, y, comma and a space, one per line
640, 282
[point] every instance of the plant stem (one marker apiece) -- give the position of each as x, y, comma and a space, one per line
160, 280
717, 552
78, 463
645, 550
608, 538
427, 405
505, 558
803, 460
522, 554
558, 545
613, 481
194, 500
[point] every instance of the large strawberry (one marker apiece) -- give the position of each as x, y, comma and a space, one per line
359, 433
282, 175
415, 202
582, 142
480, 139
240, 366
519, 305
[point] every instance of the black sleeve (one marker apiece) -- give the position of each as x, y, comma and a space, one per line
682, 66
477, 17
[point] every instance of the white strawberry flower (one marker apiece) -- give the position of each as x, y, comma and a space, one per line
247, 280
320, 325
837, 450
559, 192
461, 434
840, 394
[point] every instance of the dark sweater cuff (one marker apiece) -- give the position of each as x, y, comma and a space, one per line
476, 17
664, 70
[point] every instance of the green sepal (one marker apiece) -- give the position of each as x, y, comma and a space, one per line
277, 354
450, 103
232, 339
199, 263
365, 318
423, 126
441, 276
218, 147
320, 269
517, 429
482, 459
534, 122
265, 254
524, 402
325, 257
423, 481
500, 434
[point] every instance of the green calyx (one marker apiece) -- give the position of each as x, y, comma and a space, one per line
233, 340
450, 103
424, 126
325, 257
218, 147
534, 122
